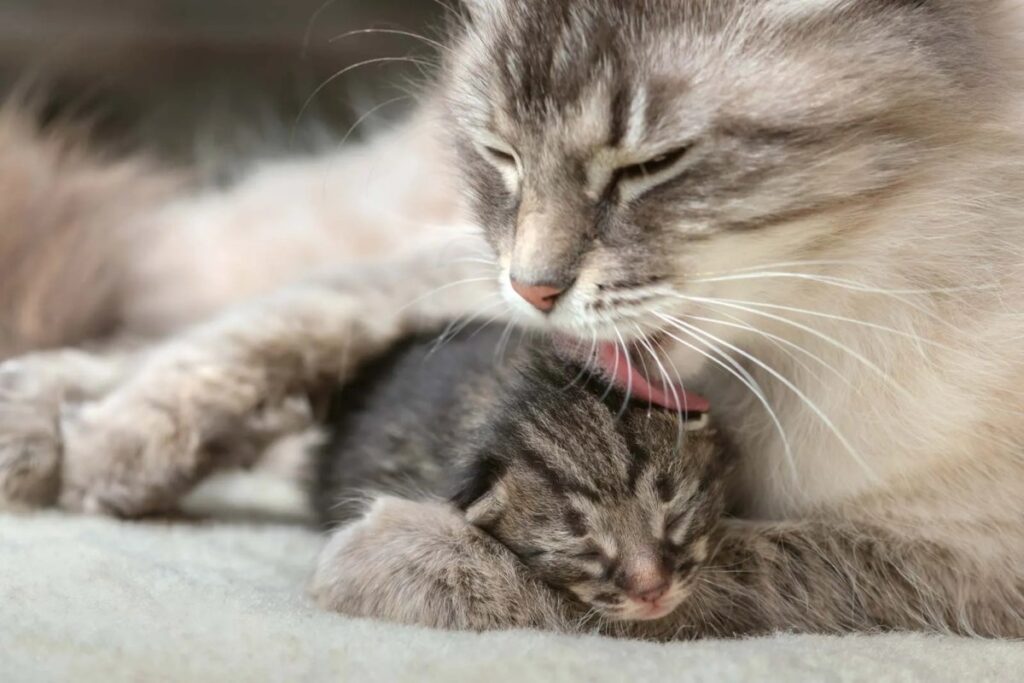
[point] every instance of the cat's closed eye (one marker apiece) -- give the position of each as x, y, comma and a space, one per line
654, 165
500, 156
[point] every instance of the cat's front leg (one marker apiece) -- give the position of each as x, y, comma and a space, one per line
37, 393
843, 576
143, 446
422, 563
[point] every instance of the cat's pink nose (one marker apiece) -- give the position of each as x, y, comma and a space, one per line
541, 297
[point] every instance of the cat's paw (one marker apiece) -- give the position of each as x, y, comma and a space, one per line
29, 455
127, 458
30, 443
423, 564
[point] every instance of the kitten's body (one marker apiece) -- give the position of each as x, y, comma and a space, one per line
596, 495
888, 212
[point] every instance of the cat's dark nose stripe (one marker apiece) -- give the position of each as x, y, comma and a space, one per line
541, 297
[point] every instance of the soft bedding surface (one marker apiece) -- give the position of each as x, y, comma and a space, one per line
99, 600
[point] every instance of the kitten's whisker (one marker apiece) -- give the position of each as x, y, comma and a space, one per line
740, 373
814, 407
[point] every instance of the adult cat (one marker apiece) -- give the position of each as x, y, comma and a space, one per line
811, 210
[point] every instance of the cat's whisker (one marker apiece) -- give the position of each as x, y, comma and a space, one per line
780, 342
442, 288
455, 328
585, 370
503, 341
840, 318
611, 380
737, 371
680, 428
812, 263
852, 285
629, 374
832, 341
804, 398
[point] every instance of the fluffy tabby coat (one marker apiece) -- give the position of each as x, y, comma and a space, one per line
809, 209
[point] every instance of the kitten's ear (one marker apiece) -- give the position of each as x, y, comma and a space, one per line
479, 493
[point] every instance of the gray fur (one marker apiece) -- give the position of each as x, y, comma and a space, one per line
594, 494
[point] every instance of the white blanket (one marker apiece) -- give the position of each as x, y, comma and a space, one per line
99, 600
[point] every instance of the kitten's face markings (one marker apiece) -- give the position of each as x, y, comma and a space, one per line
607, 509
618, 151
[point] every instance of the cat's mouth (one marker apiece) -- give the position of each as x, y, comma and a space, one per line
633, 376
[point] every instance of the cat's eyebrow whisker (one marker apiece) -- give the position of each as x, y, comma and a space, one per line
393, 32
885, 376
804, 398
737, 371
366, 115
351, 67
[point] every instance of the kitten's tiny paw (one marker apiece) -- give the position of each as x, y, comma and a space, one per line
126, 459
424, 564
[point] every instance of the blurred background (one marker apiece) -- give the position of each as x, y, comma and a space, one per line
215, 83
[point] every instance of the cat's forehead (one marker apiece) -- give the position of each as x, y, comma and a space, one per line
589, 72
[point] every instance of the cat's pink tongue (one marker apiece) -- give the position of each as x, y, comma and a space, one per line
625, 374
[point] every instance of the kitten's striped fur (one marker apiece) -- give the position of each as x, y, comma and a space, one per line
597, 497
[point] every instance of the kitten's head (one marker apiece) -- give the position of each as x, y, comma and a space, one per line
615, 510
616, 151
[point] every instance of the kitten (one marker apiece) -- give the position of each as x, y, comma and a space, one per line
609, 499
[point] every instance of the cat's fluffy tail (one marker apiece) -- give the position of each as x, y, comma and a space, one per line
67, 220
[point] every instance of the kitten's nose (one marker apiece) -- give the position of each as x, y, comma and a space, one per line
651, 594
647, 580
541, 297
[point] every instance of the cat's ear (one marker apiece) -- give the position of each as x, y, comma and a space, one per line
479, 492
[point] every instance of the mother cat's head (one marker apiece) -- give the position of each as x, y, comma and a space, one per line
618, 153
